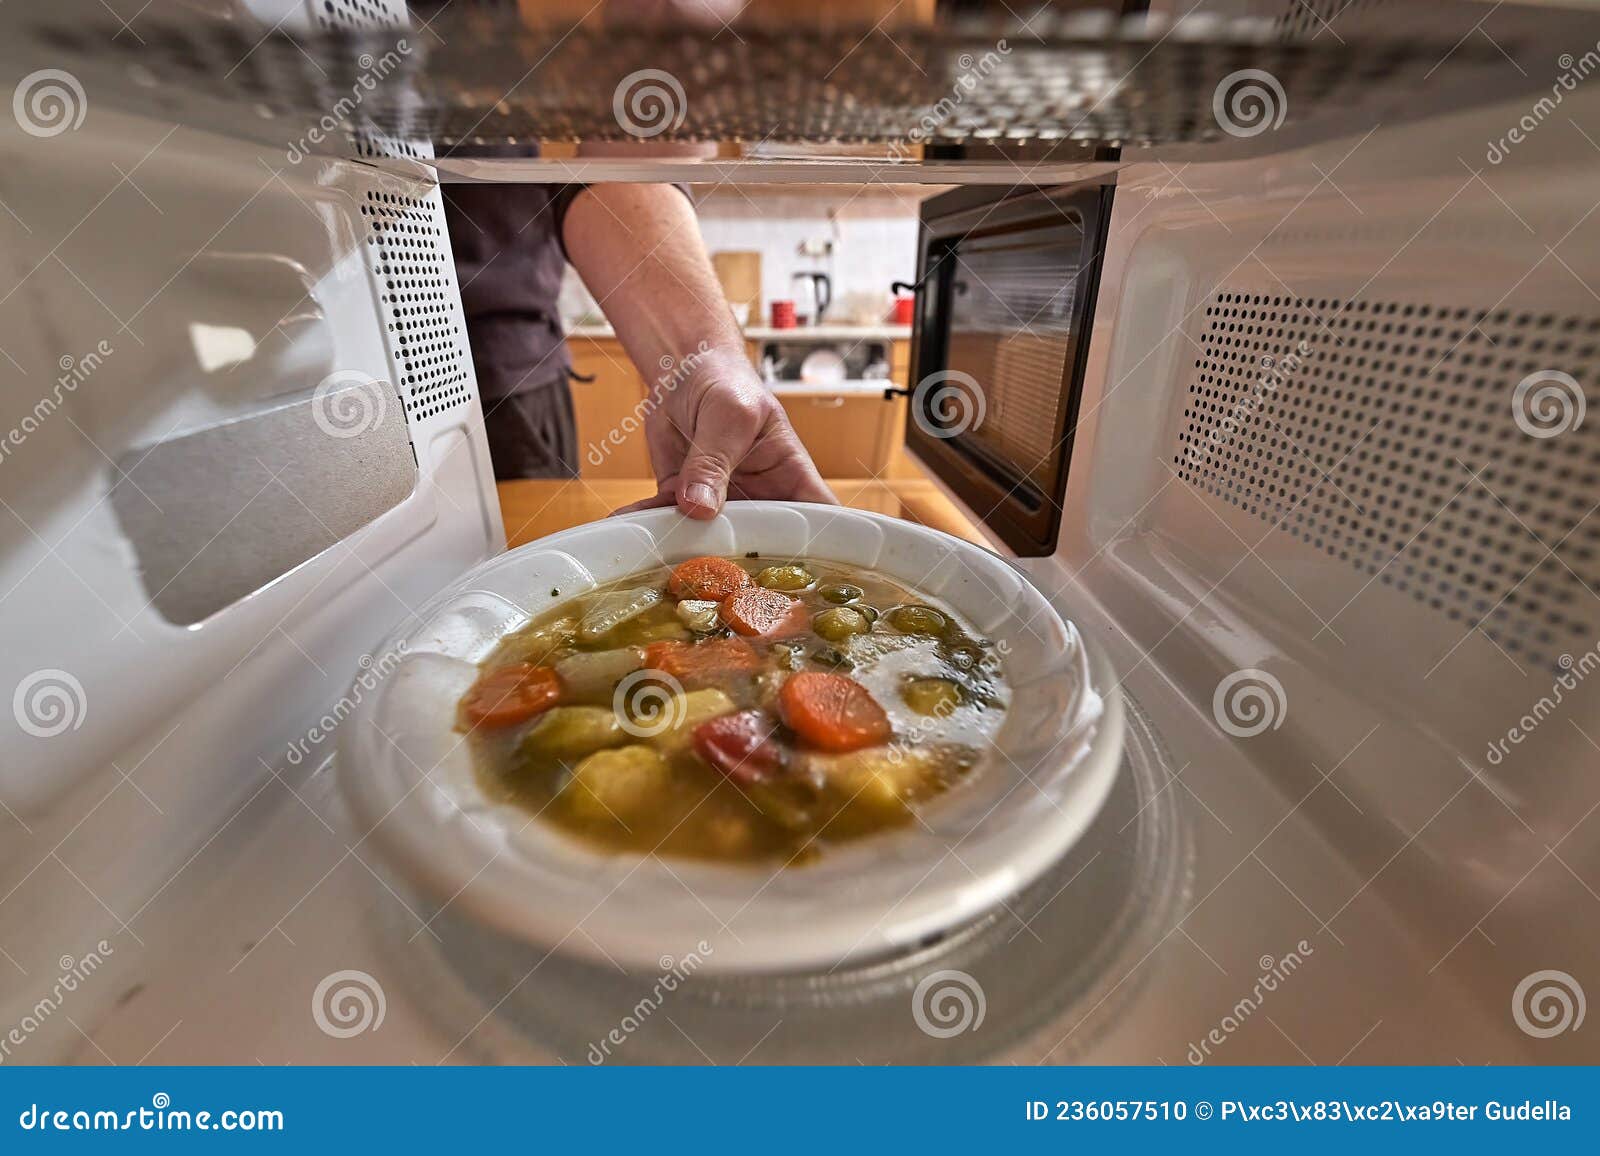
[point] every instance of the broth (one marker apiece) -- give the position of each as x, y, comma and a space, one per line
796, 704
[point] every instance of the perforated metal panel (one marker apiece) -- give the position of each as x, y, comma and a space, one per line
358, 14
1393, 436
409, 253
1063, 82
1310, 19
366, 140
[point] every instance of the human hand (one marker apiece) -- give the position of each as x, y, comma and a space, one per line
722, 436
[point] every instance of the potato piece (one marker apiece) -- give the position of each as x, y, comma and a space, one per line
571, 732
729, 835
618, 786
881, 781
686, 712
592, 673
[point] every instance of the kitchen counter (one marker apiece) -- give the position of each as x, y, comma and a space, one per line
851, 387
533, 509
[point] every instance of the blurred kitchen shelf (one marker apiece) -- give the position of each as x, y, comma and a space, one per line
534, 509
829, 332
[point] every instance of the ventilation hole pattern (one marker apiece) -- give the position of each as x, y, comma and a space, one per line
407, 249
363, 15
1310, 19
360, 14
372, 143
1358, 427
470, 85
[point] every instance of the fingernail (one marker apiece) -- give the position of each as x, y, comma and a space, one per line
701, 495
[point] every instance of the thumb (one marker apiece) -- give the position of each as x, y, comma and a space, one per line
703, 480
725, 424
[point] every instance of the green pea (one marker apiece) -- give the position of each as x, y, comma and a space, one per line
840, 623
785, 578
841, 593
917, 620
935, 697
571, 732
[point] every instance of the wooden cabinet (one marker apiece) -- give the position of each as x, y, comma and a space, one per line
852, 435
848, 435
610, 410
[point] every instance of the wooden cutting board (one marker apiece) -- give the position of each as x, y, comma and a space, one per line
739, 271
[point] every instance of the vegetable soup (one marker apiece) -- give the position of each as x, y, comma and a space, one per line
735, 709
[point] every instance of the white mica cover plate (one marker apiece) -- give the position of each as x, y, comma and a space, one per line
407, 772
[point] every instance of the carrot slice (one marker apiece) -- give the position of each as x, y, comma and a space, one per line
758, 612
707, 578
701, 663
832, 712
509, 695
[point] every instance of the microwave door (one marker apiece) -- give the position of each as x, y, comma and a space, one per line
1008, 290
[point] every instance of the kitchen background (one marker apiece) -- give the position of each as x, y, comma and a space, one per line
872, 229
864, 238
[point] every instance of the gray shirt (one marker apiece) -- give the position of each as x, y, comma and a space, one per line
510, 260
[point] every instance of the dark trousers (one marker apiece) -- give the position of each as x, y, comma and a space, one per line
533, 434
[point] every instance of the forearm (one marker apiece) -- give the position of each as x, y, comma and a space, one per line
638, 249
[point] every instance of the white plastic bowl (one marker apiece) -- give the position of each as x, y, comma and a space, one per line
408, 777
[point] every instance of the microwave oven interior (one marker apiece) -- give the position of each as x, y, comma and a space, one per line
1282, 316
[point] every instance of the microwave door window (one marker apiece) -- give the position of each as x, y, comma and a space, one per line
1009, 337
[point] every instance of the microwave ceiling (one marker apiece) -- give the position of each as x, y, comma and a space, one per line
497, 93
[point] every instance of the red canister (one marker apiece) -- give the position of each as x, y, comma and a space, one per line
904, 309
783, 316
